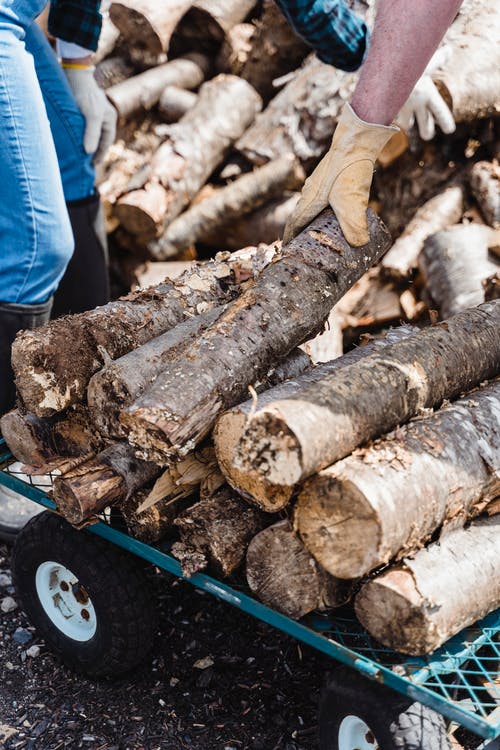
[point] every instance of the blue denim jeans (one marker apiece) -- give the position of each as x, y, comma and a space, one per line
42, 160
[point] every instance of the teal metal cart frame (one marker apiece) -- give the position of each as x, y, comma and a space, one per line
460, 680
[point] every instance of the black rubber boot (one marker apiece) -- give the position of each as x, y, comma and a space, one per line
85, 284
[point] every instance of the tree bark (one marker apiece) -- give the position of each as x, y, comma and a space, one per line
439, 212
284, 576
454, 263
289, 440
141, 92
435, 472
174, 102
230, 427
125, 378
206, 23
301, 118
216, 533
286, 305
54, 363
415, 607
193, 148
470, 77
110, 478
151, 525
229, 203
492, 287
485, 185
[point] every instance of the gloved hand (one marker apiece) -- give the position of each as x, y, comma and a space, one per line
343, 178
100, 115
426, 105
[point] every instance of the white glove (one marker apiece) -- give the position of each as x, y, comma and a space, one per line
100, 115
426, 105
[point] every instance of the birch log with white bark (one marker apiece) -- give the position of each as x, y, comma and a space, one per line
415, 607
174, 102
431, 473
485, 185
291, 439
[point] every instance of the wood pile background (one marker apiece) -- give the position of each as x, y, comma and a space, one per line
323, 418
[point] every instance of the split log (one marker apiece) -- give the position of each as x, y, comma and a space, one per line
123, 379
284, 576
290, 439
286, 305
216, 533
301, 118
416, 607
470, 78
122, 164
109, 478
454, 263
147, 26
235, 49
206, 23
485, 185
174, 102
193, 148
435, 472
141, 92
439, 212
112, 71
231, 202
264, 225
51, 375
37, 442
153, 524
230, 426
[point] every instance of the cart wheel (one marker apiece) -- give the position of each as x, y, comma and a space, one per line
88, 599
356, 714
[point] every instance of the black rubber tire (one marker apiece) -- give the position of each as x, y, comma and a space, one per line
116, 583
395, 722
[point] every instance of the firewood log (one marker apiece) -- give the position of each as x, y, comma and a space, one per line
230, 202
125, 378
53, 364
417, 606
437, 471
147, 26
216, 533
235, 49
290, 439
206, 23
112, 71
174, 102
301, 118
454, 263
438, 213
470, 78
230, 426
286, 305
284, 575
485, 185
111, 477
141, 92
107, 39
151, 525
194, 147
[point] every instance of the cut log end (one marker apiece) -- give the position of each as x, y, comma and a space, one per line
72, 497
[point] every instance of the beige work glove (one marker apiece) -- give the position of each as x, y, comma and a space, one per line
343, 178
100, 115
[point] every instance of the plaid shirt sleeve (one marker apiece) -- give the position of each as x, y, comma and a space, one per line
338, 36
77, 21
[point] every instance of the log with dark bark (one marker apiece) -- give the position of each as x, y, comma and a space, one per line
38, 442
485, 185
417, 606
231, 425
216, 533
206, 23
141, 92
125, 378
174, 102
193, 148
53, 364
111, 477
439, 212
470, 77
492, 287
229, 203
454, 263
286, 305
435, 472
284, 575
151, 525
290, 439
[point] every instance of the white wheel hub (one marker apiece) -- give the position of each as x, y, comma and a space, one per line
355, 734
65, 601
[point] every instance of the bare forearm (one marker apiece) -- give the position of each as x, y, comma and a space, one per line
405, 36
